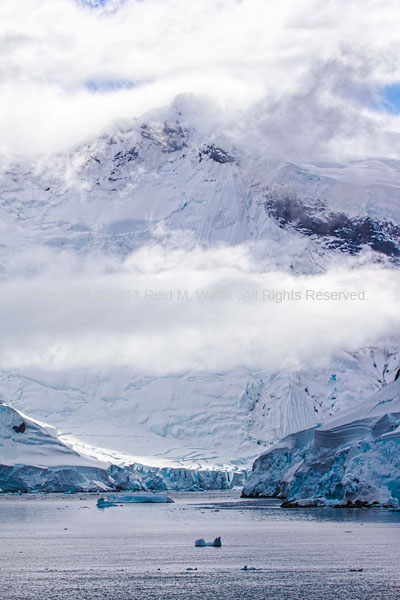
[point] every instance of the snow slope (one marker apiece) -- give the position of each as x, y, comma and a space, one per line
34, 458
179, 421
351, 460
26, 441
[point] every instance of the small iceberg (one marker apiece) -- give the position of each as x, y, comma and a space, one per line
139, 499
102, 503
202, 543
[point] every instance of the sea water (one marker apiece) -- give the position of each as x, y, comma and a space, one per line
64, 547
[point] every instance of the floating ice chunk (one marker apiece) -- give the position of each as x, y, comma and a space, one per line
139, 499
202, 543
101, 503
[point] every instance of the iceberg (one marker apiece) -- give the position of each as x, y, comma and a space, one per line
201, 543
140, 499
101, 503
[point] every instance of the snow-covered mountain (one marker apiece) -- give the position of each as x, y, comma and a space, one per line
177, 169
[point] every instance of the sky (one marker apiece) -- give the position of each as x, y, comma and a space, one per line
69, 67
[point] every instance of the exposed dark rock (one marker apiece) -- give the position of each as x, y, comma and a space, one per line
341, 231
216, 154
124, 156
357, 504
19, 428
287, 504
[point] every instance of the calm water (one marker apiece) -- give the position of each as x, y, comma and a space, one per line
63, 546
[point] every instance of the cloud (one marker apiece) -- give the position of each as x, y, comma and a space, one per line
168, 310
337, 112
237, 51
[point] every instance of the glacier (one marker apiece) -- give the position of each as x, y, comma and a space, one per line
178, 422
33, 458
352, 460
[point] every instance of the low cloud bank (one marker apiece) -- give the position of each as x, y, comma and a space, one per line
166, 310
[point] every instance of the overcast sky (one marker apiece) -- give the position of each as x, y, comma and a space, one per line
68, 68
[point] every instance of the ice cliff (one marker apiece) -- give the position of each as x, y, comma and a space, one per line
351, 460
